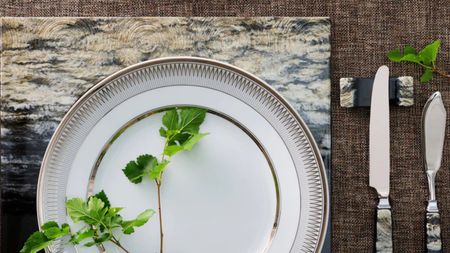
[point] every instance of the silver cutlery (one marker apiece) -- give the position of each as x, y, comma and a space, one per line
379, 151
434, 119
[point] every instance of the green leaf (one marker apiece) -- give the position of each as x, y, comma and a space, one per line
92, 213
395, 55
36, 242
411, 58
172, 149
429, 53
409, 50
162, 132
103, 238
136, 170
40, 240
170, 119
81, 235
189, 144
49, 224
141, 219
102, 196
77, 209
186, 146
178, 138
191, 119
96, 209
90, 244
56, 232
426, 76
158, 169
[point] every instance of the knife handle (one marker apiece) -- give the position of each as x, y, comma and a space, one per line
434, 244
384, 226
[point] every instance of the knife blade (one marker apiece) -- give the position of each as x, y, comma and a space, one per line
379, 157
434, 117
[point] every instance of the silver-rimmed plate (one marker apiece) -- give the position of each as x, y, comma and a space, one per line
255, 184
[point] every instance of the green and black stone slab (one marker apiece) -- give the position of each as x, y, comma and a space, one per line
48, 63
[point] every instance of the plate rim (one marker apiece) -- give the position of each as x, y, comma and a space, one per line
190, 59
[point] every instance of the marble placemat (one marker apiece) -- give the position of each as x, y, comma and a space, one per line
48, 63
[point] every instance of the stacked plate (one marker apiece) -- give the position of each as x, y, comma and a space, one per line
256, 183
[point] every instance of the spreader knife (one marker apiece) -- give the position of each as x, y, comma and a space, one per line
434, 119
379, 160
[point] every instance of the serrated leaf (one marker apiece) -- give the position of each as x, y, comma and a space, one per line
191, 119
170, 119
172, 149
112, 218
102, 196
49, 224
92, 213
141, 219
82, 235
42, 239
409, 55
96, 208
410, 58
395, 55
186, 146
36, 242
162, 132
189, 144
426, 76
156, 172
56, 232
409, 50
77, 209
429, 53
178, 138
136, 170
113, 211
103, 238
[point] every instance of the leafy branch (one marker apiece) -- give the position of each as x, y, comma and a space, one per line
181, 132
100, 221
426, 58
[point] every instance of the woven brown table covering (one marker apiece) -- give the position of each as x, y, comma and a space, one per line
362, 33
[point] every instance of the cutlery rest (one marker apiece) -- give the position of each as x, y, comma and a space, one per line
357, 92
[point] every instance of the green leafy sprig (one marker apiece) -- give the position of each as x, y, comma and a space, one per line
425, 58
100, 221
180, 130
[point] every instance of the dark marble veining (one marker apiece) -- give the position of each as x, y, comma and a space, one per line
48, 63
434, 244
384, 231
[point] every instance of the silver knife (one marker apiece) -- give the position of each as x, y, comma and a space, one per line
434, 119
379, 151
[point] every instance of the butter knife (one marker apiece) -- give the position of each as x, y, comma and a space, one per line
434, 119
379, 162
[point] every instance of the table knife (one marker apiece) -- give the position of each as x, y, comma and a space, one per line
379, 157
434, 119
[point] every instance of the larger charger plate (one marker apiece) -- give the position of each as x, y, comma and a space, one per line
255, 184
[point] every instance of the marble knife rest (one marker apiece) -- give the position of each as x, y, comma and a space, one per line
357, 92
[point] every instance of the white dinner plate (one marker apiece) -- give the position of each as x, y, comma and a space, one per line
255, 184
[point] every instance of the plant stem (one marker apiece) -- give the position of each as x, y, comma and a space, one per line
161, 234
440, 72
158, 185
117, 243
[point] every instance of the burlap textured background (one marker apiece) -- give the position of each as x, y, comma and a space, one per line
362, 33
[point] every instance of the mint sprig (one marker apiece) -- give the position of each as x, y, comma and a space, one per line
180, 129
426, 58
